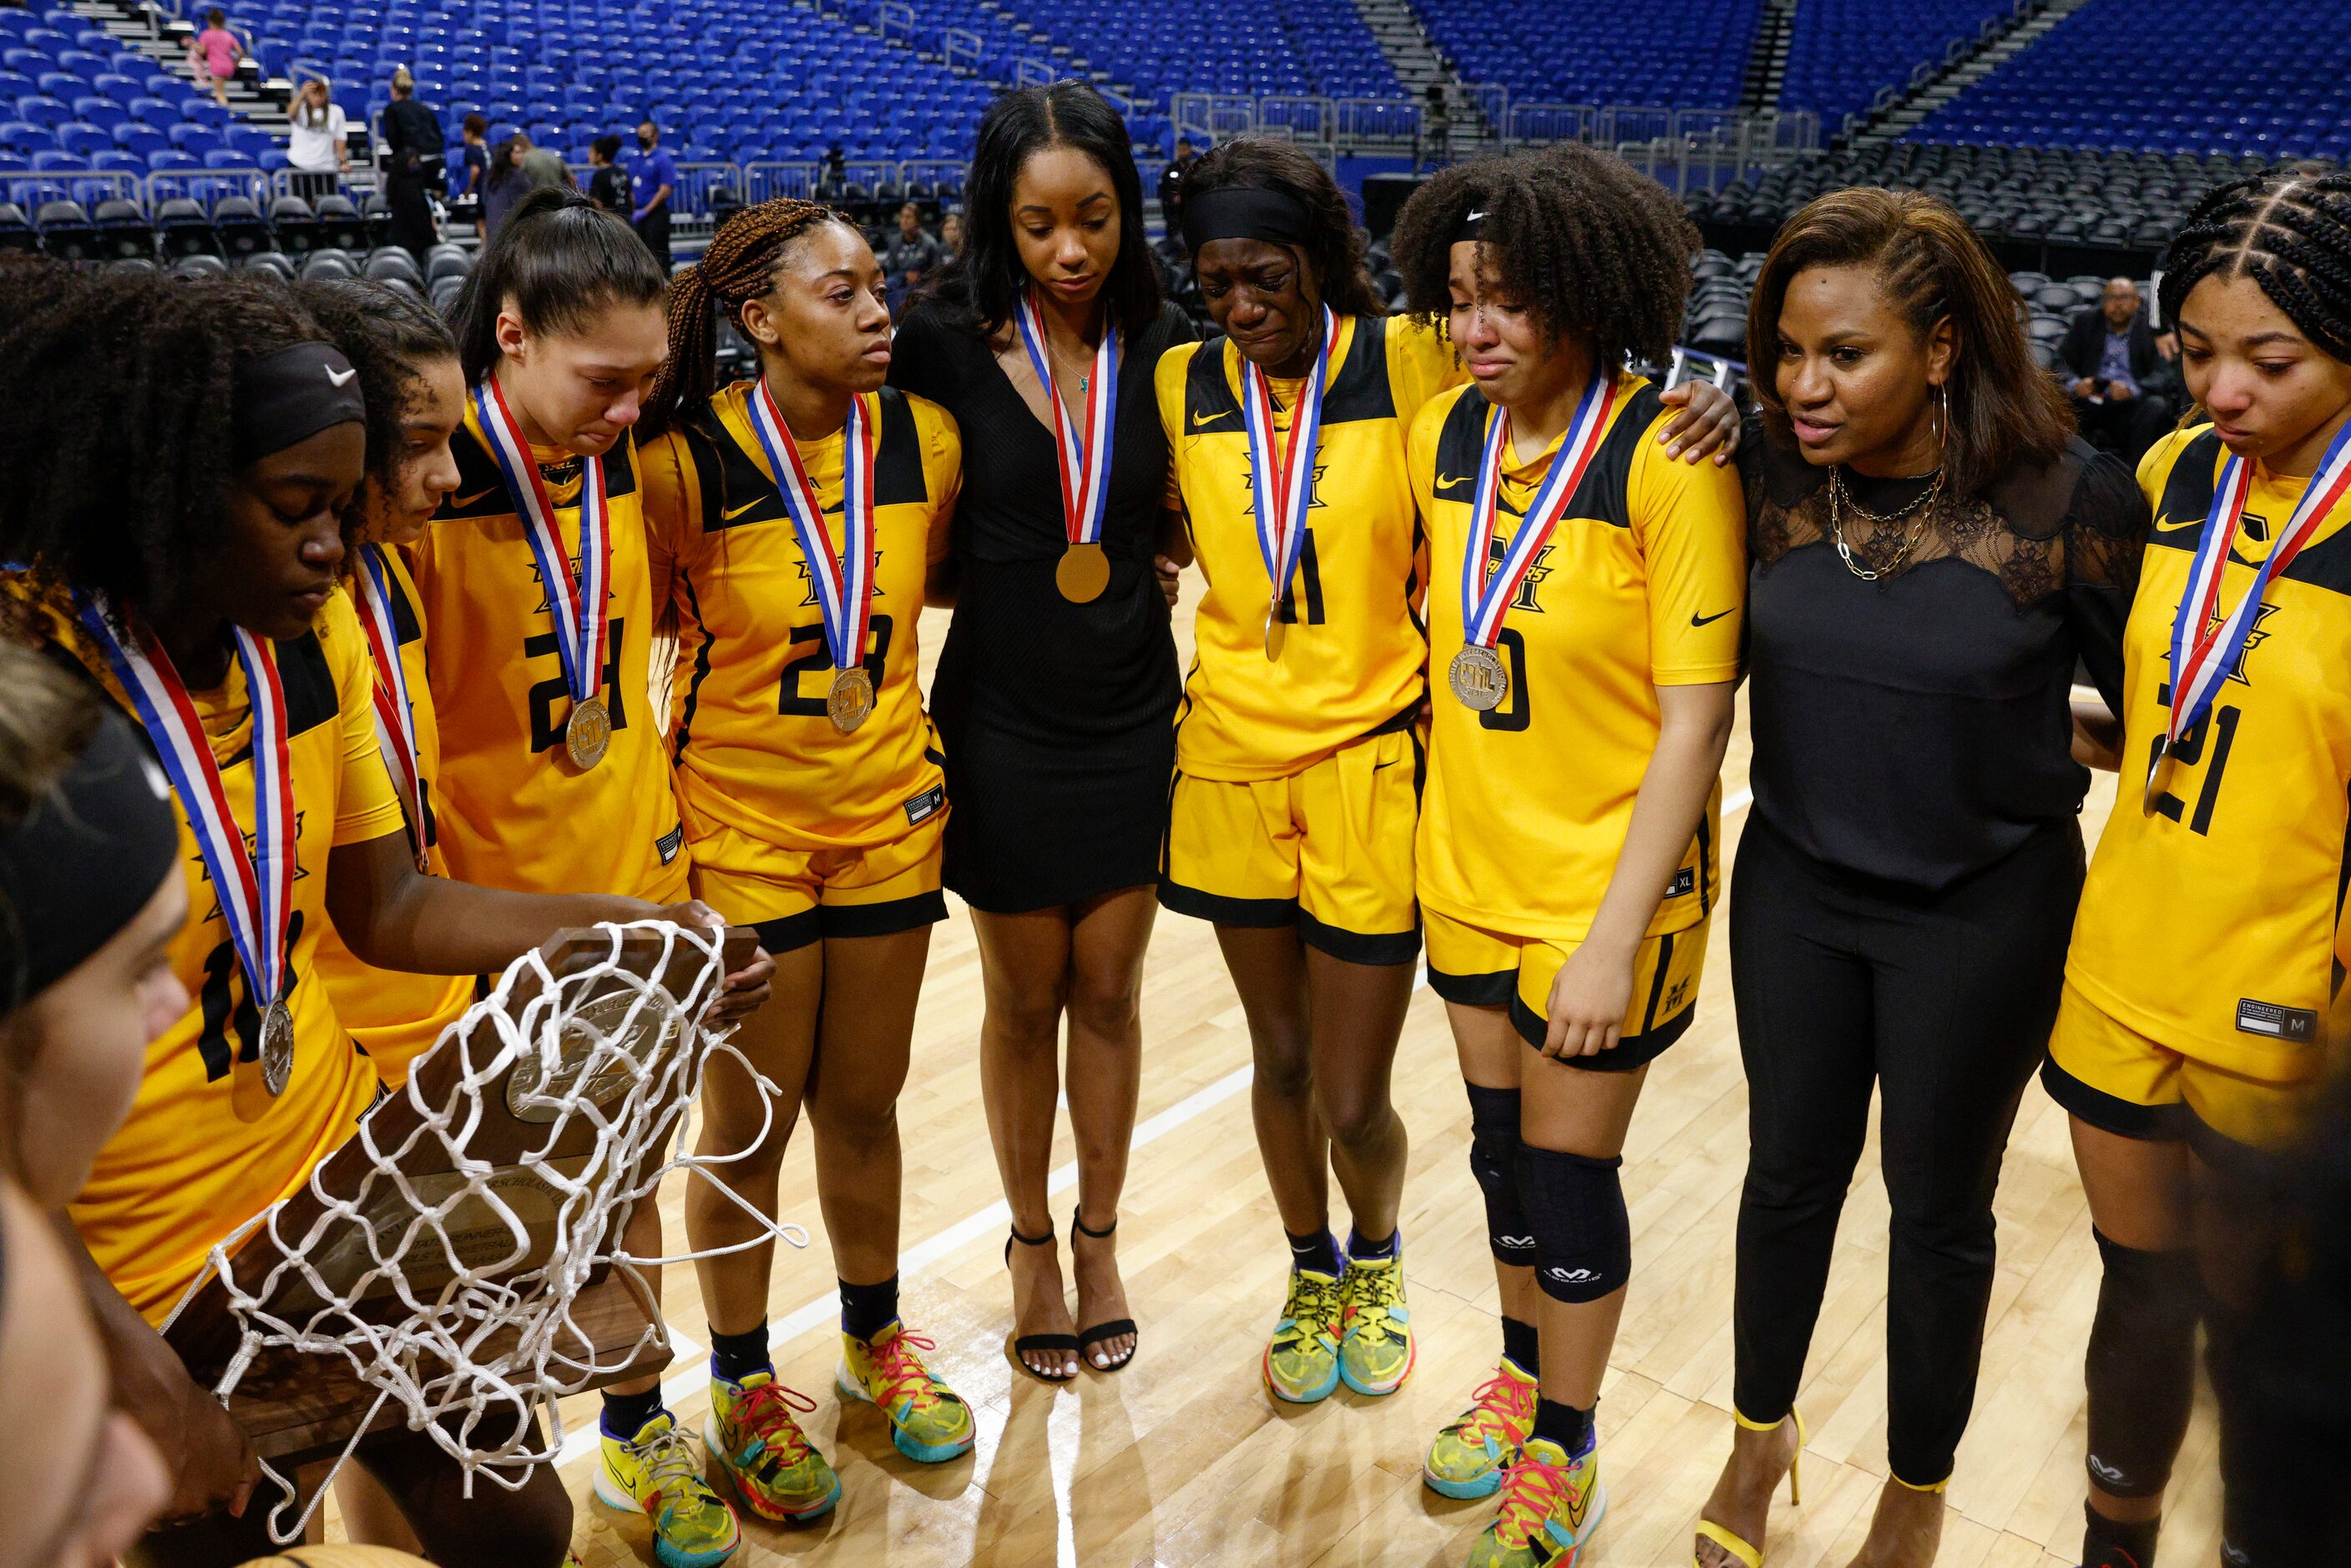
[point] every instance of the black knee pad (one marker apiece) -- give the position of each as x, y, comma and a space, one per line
2141, 1367
1494, 1161
1582, 1236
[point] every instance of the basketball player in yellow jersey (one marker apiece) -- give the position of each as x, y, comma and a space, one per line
1299, 754
416, 400
2202, 990
540, 614
797, 519
1584, 613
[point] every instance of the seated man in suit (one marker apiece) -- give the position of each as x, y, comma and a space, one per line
2121, 373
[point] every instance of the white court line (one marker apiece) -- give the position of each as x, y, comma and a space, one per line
824, 1308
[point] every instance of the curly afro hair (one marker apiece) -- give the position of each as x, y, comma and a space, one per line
1588, 245
118, 470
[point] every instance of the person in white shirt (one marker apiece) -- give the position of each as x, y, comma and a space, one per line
317, 150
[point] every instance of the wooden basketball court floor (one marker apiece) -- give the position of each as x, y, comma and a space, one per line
1182, 1458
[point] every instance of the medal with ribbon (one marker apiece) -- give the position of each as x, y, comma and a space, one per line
255, 887
844, 583
1477, 674
1082, 455
395, 722
578, 609
2206, 644
1283, 488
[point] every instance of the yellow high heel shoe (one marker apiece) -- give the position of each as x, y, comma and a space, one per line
1747, 1551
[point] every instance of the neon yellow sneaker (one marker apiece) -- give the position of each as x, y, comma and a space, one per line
1469, 1457
656, 1474
777, 1471
1375, 1330
928, 1422
1301, 1363
1550, 1506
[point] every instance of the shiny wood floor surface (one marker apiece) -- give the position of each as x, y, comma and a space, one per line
1182, 1458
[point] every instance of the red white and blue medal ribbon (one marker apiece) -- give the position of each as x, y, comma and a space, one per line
1477, 674
255, 887
578, 609
2205, 644
395, 721
1083, 454
844, 580
1281, 485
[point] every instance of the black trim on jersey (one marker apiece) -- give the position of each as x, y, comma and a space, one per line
312, 699
1630, 1051
701, 673
481, 489
2188, 494
1358, 391
1602, 495
1411, 595
2111, 1113
407, 626
898, 479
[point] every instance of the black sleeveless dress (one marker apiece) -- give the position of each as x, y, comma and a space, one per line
1058, 718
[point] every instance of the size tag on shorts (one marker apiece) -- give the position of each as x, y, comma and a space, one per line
926, 804
2277, 1022
669, 843
1685, 882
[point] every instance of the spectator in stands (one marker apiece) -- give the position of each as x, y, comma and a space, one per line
912, 253
653, 180
1433, 143
2120, 374
317, 150
608, 187
413, 142
217, 50
476, 152
1171, 188
505, 186
542, 167
950, 236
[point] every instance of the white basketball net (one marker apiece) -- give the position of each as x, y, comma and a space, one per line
485, 1333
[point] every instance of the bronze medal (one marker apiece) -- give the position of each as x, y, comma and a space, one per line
1083, 573
1478, 677
588, 733
277, 1048
1277, 631
851, 700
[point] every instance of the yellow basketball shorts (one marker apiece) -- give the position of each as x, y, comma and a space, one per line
1480, 968
875, 890
2116, 1079
1327, 850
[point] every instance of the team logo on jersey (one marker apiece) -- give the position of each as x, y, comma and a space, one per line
252, 847
1314, 501
2253, 639
1677, 997
1525, 597
807, 578
544, 607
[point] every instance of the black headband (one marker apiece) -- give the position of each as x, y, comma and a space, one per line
290, 396
1245, 211
87, 858
1472, 230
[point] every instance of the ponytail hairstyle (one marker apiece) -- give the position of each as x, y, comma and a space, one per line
389, 337
1930, 267
2289, 231
563, 261
739, 266
1334, 247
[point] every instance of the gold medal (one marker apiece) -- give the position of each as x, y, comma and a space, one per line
1083, 573
1275, 632
1478, 677
851, 699
2158, 777
588, 733
277, 1048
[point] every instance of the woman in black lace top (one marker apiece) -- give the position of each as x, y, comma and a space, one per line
1933, 554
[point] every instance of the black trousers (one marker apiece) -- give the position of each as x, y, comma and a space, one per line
1943, 1003
411, 213
653, 229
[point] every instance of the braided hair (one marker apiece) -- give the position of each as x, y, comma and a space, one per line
738, 267
2289, 231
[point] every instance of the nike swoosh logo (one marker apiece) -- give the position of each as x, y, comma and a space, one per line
1200, 419
1448, 481
1697, 619
462, 501
734, 512
2163, 527
343, 380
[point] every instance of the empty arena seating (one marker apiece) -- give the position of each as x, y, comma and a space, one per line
2121, 73
1689, 53
71, 97
1842, 53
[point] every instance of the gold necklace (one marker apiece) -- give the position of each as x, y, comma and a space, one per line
1838, 501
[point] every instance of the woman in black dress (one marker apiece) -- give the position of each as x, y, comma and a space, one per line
1058, 684
1932, 551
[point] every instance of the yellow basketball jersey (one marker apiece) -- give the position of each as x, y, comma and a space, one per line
1354, 651
206, 1148
395, 1016
2211, 924
512, 811
758, 764
1640, 586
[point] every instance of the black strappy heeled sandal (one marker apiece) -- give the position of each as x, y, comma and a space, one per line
1033, 1341
1089, 1338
